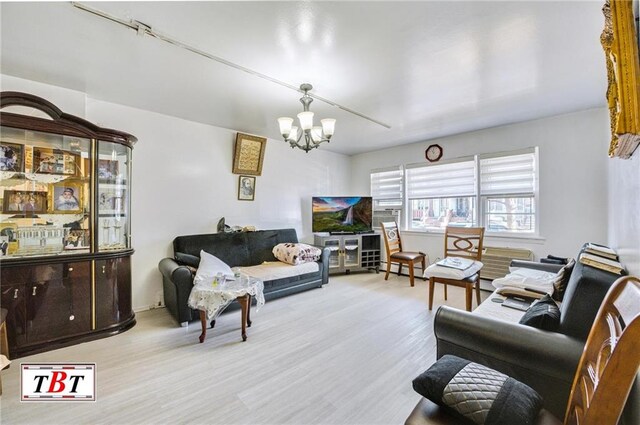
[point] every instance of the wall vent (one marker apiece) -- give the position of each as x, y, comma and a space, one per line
496, 260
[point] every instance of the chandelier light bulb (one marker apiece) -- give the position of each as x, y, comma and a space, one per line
309, 137
285, 126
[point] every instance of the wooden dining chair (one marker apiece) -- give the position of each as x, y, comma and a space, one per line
463, 242
606, 372
395, 254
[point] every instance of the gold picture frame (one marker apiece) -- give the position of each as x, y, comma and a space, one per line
620, 43
248, 154
66, 197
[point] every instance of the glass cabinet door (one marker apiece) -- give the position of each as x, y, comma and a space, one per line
113, 170
352, 251
45, 190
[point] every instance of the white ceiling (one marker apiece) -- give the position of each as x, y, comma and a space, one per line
427, 69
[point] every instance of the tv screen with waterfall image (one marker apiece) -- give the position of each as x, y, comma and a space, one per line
337, 214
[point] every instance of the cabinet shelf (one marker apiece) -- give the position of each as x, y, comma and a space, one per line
351, 252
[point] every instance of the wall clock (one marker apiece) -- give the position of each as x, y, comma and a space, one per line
433, 153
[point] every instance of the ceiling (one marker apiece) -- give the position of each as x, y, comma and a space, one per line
426, 69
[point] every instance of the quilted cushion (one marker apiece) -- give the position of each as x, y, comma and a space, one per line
296, 253
476, 393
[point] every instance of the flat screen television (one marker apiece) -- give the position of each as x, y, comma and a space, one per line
342, 214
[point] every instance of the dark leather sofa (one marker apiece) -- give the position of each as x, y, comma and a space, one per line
546, 361
236, 249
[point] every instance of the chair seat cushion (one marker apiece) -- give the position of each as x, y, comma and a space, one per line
407, 256
476, 393
436, 270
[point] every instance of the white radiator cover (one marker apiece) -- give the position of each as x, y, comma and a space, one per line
496, 260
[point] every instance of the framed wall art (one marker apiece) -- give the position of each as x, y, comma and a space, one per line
112, 200
24, 202
66, 198
246, 188
55, 161
11, 157
249, 154
107, 169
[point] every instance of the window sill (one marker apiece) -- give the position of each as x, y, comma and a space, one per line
516, 238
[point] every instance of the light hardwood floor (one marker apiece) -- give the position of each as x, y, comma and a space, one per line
343, 354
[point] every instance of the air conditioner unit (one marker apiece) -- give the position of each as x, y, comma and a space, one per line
382, 216
496, 260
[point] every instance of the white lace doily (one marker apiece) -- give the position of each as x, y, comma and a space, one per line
214, 300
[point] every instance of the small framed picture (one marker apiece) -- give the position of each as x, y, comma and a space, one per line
107, 169
55, 161
24, 202
112, 199
77, 239
66, 198
248, 154
11, 157
246, 188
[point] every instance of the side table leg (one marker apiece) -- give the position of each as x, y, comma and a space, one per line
243, 304
203, 322
249, 311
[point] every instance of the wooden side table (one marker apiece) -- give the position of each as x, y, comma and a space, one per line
245, 303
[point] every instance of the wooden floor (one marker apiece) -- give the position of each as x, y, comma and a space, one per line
343, 354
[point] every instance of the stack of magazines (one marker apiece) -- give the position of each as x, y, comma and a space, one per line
601, 257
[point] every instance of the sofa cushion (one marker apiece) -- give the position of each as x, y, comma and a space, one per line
562, 279
542, 314
275, 270
477, 393
296, 253
209, 267
187, 259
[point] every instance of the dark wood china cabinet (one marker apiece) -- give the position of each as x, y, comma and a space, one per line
65, 240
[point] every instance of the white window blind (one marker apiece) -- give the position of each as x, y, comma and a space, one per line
513, 174
455, 179
387, 187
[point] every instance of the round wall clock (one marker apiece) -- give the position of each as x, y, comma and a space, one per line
433, 153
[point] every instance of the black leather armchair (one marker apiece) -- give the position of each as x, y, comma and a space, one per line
546, 361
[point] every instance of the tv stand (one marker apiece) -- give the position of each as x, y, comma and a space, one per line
351, 252
342, 233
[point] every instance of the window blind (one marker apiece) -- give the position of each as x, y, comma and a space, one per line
504, 175
387, 186
442, 181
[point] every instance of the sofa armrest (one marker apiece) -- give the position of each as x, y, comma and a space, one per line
177, 282
546, 361
324, 259
545, 267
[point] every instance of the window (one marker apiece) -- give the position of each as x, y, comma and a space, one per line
508, 192
387, 188
442, 195
497, 191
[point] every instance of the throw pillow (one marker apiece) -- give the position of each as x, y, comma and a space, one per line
542, 314
296, 253
209, 267
562, 280
187, 259
477, 393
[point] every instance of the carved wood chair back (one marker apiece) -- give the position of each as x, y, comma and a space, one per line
610, 359
392, 240
465, 242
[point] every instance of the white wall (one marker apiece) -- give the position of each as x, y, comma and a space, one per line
624, 210
573, 178
182, 180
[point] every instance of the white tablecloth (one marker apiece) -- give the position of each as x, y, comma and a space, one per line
213, 300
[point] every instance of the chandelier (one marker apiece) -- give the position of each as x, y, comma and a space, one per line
310, 137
